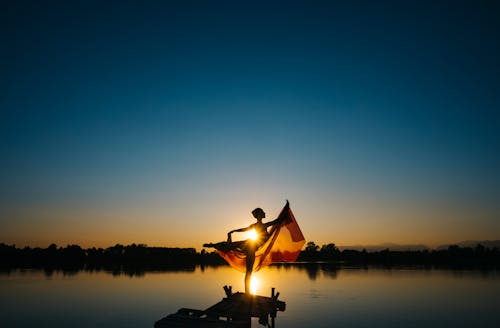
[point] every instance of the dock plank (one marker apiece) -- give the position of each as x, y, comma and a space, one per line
235, 310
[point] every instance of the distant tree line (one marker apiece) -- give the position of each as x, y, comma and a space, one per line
454, 255
118, 257
142, 257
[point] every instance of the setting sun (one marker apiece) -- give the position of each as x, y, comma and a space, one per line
253, 235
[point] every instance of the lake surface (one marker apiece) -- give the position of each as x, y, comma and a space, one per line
316, 295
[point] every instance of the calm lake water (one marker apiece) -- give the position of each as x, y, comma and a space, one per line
316, 296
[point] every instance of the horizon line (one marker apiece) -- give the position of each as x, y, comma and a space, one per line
471, 242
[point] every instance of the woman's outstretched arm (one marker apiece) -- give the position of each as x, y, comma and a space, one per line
229, 239
273, 222
241, 229
279, 219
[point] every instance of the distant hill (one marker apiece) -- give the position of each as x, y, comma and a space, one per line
473, 243
418, 247
390, 246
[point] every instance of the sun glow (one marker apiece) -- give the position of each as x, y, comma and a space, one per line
254, 285
253, 235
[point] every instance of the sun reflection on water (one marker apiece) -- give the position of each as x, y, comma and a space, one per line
254, 285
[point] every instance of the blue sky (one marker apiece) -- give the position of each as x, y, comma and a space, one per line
127, 122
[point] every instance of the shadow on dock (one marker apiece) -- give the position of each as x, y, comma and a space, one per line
234, 310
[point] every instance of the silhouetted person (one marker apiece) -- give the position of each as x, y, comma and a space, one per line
250, 246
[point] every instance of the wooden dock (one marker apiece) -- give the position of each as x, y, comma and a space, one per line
234, 310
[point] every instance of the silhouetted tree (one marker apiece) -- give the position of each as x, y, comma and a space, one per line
329, 252
311, 247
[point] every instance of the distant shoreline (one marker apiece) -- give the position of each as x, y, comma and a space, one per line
142, 257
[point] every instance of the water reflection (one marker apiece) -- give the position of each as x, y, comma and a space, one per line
254, 285
316, 294
313, 271
115, 270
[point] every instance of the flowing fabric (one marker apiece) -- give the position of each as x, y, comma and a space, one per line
283, 245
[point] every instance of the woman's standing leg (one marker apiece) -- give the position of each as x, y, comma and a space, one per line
249, 261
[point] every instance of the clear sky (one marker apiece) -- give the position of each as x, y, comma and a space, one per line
166, 123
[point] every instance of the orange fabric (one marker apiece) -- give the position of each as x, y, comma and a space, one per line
283, 245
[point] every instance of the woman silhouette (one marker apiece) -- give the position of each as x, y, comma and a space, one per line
250, 246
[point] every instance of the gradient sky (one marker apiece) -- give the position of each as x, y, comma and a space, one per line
166, 123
